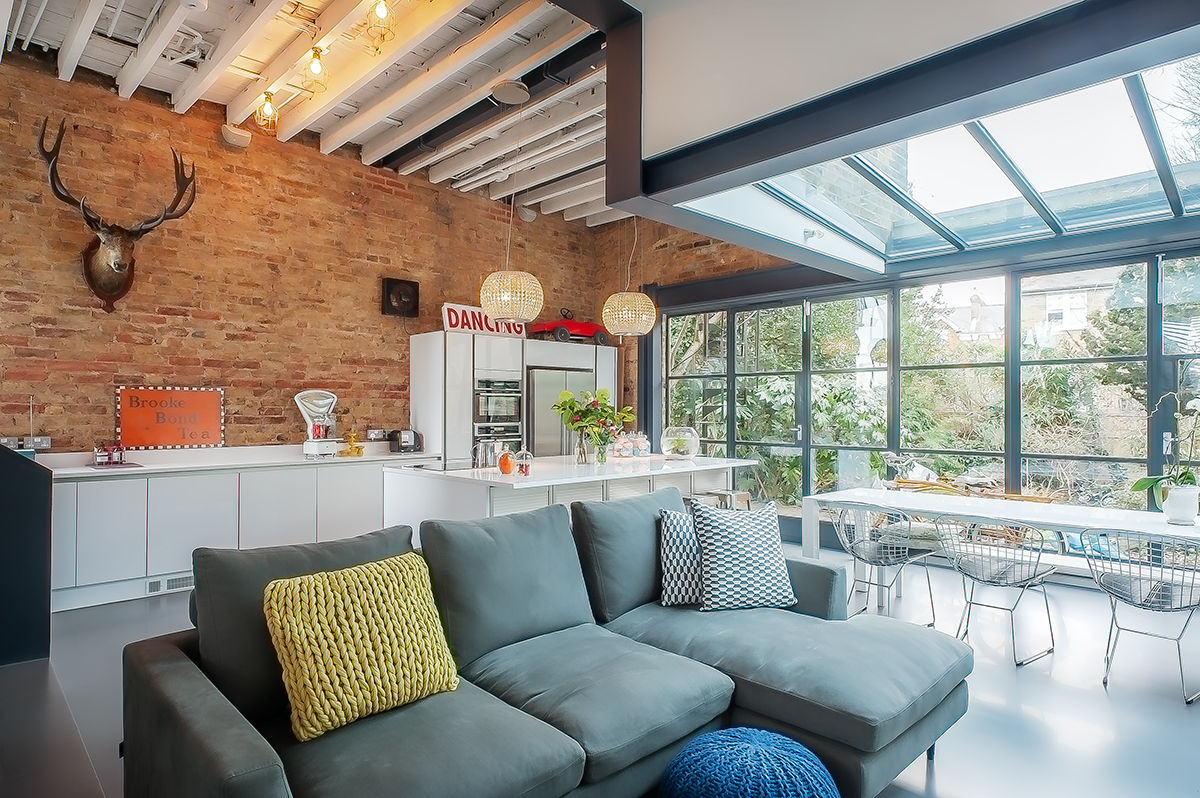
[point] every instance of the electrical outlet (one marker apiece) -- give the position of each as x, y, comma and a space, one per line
11, 443
38, 443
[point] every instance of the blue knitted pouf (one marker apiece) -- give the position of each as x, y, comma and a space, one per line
746, 763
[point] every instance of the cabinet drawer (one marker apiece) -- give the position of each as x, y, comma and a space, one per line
506, 501
581, 492
186, 512
349, 500
624, 488
277, 506
62, 535
111, 529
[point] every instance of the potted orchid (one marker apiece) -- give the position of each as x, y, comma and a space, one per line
1176, 490
593, 418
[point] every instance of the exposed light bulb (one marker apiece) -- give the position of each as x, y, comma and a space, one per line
381, 10
314, 66
268, 108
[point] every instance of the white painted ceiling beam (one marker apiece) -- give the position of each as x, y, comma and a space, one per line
558, 188
5, 13
233, 42
77, 35
515, 114
572, 198
545, 172
552, 147
560, 116
161, 31
586, 209
349, 76
611, 215
557, 37
506, 20
339, 17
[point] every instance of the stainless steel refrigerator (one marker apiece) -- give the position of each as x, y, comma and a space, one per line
545, 431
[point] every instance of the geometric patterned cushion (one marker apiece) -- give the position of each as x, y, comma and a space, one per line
680, 554
741, 559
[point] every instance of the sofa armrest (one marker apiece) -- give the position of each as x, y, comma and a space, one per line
820, 588
182, 736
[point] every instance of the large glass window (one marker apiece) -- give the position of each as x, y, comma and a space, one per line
848, 391
1083, 383
1181, 306
952, 376
696, 383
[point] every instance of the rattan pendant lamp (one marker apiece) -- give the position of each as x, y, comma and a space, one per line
511, 295
629, 312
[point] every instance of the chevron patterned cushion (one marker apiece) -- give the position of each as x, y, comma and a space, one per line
741, 559
680, 553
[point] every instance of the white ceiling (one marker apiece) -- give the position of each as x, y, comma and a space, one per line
444, 59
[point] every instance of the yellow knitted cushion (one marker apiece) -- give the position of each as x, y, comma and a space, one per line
357, 641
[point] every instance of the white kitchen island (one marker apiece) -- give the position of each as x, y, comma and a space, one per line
413, 495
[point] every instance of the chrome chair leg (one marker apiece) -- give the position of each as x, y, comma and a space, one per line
932, 608
1179, 652
1110, 648
964, 623
1013, 626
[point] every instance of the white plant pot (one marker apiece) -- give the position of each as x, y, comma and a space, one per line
1181, 504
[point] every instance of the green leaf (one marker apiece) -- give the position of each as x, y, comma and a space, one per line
565, 395
1145, 483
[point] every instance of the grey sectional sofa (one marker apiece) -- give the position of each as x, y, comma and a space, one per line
575, 680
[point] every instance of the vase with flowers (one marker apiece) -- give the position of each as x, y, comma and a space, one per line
593, 419
1176, 490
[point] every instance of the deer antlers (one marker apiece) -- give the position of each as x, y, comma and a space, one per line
185, 182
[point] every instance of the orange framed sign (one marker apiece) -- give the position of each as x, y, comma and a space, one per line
159, 417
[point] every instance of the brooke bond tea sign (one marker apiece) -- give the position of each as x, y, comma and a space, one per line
153, 417
465, 318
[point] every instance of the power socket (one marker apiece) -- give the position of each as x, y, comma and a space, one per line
11, 443
38, 443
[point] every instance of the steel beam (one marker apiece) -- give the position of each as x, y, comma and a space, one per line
1014, 173
1136, 89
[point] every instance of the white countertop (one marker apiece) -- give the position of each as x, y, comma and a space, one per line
1069, 517
564, 470
72, 466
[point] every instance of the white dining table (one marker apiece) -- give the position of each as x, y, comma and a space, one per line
1058, 517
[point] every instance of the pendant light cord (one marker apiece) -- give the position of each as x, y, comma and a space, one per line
633, 249
512, 204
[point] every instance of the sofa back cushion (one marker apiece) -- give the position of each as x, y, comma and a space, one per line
618, 544
506, 579
235, 646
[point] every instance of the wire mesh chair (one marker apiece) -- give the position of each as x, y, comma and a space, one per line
1157, 573
999, 554
879, 538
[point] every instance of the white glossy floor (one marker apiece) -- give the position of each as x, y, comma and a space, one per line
1047, 729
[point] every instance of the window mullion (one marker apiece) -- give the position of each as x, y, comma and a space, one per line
1012, 384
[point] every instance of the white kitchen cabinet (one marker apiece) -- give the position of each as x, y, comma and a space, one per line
277, 506
559, 355
349, 500
498, 357
186, 512
606, 371
111, 530
459, 399
63, 535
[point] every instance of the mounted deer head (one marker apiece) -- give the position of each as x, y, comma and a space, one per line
108, 259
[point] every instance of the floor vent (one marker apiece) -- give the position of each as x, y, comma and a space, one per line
169, 584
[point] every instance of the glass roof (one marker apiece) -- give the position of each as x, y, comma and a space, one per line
1080, 161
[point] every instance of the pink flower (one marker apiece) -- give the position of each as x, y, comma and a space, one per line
576, 418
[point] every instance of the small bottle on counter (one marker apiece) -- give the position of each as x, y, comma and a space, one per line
523, 460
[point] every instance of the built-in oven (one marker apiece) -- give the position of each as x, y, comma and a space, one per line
497, 401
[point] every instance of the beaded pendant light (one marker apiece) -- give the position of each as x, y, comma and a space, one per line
629, 312
511, 295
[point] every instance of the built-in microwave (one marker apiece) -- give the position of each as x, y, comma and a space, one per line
497, 401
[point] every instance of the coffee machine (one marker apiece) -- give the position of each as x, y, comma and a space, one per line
316, 406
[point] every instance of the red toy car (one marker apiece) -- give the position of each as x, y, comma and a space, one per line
567, 329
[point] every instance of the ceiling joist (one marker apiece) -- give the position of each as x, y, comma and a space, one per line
363, 68
562, 115
77, 36
339, 17
586, 209
593, 191
236, 38
545, 172
494, 127
507, 20
553, 40
558, 188
552, 147
605, 217
5, 13
159, 35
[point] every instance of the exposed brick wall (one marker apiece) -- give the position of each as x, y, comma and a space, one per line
665, 255
268, 286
